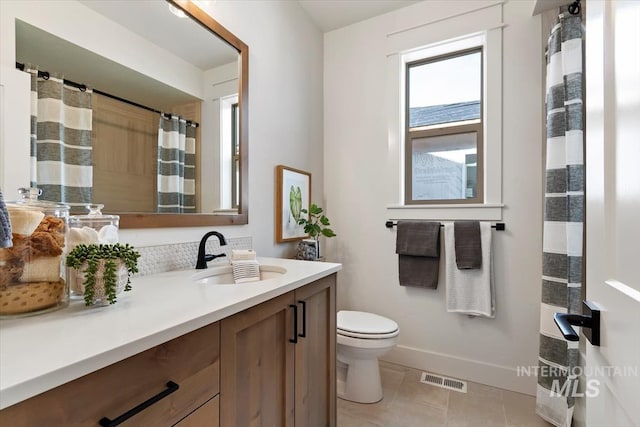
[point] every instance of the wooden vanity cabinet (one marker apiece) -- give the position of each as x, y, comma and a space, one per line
315, 361
190, 361
278, 360
270, 365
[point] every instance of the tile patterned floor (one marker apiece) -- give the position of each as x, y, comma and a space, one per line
410, 403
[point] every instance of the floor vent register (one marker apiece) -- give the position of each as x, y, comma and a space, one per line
444, 382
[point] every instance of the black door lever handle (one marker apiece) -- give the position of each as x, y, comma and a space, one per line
590, 321
564, 322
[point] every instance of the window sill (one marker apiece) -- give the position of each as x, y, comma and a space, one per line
480, 212
225, 211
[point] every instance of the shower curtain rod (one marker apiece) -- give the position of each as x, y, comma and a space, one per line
45, 75
499, 226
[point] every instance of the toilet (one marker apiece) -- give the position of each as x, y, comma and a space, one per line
362, 339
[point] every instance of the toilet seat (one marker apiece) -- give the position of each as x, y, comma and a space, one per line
359, 324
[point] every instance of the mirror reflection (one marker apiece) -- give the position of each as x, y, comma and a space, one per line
150, 123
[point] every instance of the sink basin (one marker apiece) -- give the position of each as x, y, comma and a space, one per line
223, 275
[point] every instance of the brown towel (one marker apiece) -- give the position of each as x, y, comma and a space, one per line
468, 245
418, 238
418, 249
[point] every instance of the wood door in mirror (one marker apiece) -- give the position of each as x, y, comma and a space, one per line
153, 220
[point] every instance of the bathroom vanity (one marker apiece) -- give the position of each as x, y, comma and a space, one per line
178, 350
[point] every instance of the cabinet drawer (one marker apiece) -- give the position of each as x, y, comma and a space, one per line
191, 361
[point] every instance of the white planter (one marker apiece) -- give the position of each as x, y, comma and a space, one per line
76, 278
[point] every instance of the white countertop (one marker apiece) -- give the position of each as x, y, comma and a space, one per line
42, 352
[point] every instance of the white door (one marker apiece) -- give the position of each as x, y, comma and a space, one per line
613, 210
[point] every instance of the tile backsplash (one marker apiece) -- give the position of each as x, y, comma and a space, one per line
181, 256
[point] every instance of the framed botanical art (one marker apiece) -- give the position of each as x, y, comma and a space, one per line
293, 193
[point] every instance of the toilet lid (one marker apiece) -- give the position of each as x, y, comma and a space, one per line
360, 323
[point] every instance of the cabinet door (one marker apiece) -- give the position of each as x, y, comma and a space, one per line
257, 360
315, 379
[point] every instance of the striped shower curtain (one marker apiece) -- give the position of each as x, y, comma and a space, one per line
176, 165
563, 219
61, 130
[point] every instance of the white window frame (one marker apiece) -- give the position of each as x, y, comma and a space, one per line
482, 27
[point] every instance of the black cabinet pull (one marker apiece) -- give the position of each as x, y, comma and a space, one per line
295, 324
171, 387
304, 319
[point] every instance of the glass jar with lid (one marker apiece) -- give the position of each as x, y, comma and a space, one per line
92, 228
32, 273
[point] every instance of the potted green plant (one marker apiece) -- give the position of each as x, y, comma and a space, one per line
99, 271
316, 224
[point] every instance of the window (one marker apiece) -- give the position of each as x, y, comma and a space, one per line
229, 153
235, 156
444, 129
441, 43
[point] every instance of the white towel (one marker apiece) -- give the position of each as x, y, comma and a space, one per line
245, 271
243, 255
470, 291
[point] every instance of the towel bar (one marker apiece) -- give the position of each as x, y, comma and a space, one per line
499, 226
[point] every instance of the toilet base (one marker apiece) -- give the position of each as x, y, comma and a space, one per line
359, 381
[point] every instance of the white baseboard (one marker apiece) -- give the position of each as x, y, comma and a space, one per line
504, 377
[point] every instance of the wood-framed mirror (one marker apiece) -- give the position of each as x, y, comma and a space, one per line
214, 209
148, 220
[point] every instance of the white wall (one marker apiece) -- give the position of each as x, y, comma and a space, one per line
356, 150
285, 105
285, 114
